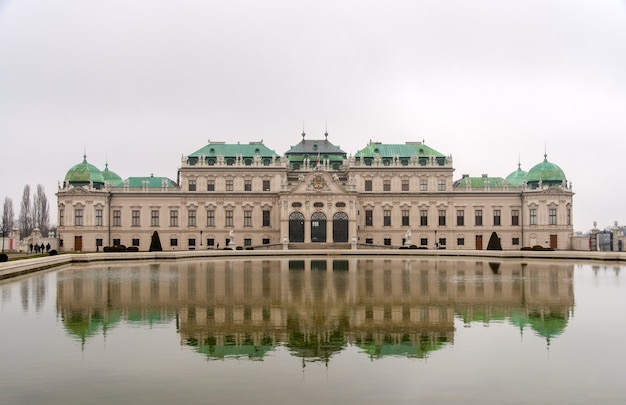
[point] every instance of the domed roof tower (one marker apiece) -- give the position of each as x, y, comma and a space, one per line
518, 177
84, 174
547, 173
110, 177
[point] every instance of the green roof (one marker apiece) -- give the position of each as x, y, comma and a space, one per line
111, 177
479, 182
518, 177
545, 172
152, 182
234, 149
407, 150
84, 173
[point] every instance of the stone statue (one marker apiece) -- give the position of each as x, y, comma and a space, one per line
407, 237
231, 238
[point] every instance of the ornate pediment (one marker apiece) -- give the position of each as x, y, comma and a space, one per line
318, 182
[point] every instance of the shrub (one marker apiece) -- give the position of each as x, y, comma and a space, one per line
53, 252
494, 242
132, 249
4, 257
115, 248
155, 244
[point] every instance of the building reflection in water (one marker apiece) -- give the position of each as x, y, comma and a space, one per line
317, 307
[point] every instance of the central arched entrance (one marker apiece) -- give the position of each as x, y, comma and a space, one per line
296, 227
318, 227
340, 227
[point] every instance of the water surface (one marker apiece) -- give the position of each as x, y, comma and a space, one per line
328, 330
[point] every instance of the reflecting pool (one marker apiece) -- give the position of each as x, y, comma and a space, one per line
309, 330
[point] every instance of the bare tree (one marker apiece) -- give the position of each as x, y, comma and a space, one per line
41, 210
26, 218
7, 219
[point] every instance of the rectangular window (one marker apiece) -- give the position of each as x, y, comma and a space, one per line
266, 185
210, 185
460, 217
174, 218
387, 218
154, 218
210, 217
135, 242
405, 218
405, 185
552, 216
210, 242
515, 217
368, 185
423, 217
569, 216
387, 241
117, 218
78, 217
266, 241
247, 218
98, 242
247, 185
460, 241
191, 242
369, 241
98, 217
423, 185
61, 217
229, 218
247, 242
117, 242
369, 218
386, 185
192, 185
496, 217
442, 217
135, 218
478, 217
266, 218
533, 216
173, 242
191, 218
229, 185
515, 241
423, 241
441, 185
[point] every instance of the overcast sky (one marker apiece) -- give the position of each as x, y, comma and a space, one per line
139, 83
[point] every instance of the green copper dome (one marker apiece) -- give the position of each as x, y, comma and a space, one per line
84, 174
111, 177
546, 172
518, 177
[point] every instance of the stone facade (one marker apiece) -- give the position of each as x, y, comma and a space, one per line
245, 195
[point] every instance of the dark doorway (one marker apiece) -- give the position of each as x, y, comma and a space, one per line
78, 243
479, 242
318, 227
340, 227
553, 240
296, 227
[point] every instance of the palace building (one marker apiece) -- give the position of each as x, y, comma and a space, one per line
315, 195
